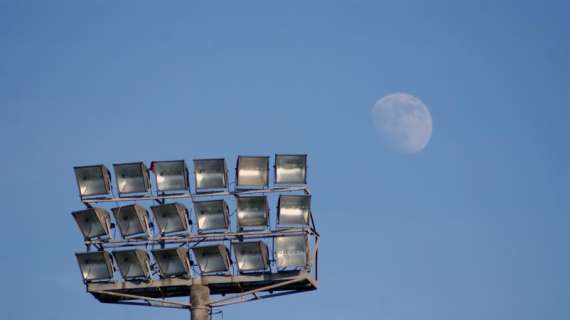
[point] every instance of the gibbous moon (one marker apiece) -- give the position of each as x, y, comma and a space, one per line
403, 122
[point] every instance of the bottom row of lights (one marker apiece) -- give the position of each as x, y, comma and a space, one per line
251, 256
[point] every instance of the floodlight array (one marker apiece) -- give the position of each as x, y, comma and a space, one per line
259, 225
172, 176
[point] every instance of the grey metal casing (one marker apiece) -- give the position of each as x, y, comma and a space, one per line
251, 256
132, 177
293, 209
252, 171
93, 222
211, 215
93, 180
290, 169
131, 220
210, 174
252, 211
95, 265
292, 252
133, 264
170, 175
213, 258
171, 217
172, 262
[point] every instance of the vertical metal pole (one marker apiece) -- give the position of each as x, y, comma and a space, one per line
199, 298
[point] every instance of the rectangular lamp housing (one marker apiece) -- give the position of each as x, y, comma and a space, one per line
294, 209
93, 180
291, 251
291, 169
133, 264
210, 174
132, 220
172, 262
251, 256
252, 172
252, 211
170, 175
211, 215
132, 177
171, 217
213, 258
95, 266
93, 222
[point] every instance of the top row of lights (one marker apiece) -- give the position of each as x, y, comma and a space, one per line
210, 175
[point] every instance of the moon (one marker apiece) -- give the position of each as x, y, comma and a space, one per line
403, 122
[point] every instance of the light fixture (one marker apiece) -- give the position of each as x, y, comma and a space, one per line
210, 174
252, 211
291, 251
252, 171
172, 262
291, 169
93, 222
170, 175
133, 264
95, 265
171, 217
251, 256
294, 209
131, 219
213, 258
211, 215
93, 180
132, 177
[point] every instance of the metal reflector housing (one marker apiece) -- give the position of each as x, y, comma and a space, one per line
294, 209
252, 171
210, 174
170, 175
171, 217
133, 264
93, 222
93, 180
132, 177
131, 219
212, 258
211, 215
252, 211
95, 265
172, 262
251, 256
291, 251
291, 169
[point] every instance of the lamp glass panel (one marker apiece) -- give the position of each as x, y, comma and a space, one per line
212, 258
133, 264
291, 251
172, 262
251, 256
171, 175
210, 174
95, 265
211, 215
170, 217
253, 171
131, 219
93, 222
132, 177
291, 169
294, 209
93, 180
252, 211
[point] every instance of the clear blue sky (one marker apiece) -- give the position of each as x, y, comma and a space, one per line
474, 227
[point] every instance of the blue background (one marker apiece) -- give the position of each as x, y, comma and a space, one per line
473, 227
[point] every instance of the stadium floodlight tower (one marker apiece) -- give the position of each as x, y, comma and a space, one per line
239, 247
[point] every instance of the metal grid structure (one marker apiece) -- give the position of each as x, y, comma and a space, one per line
220, 239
